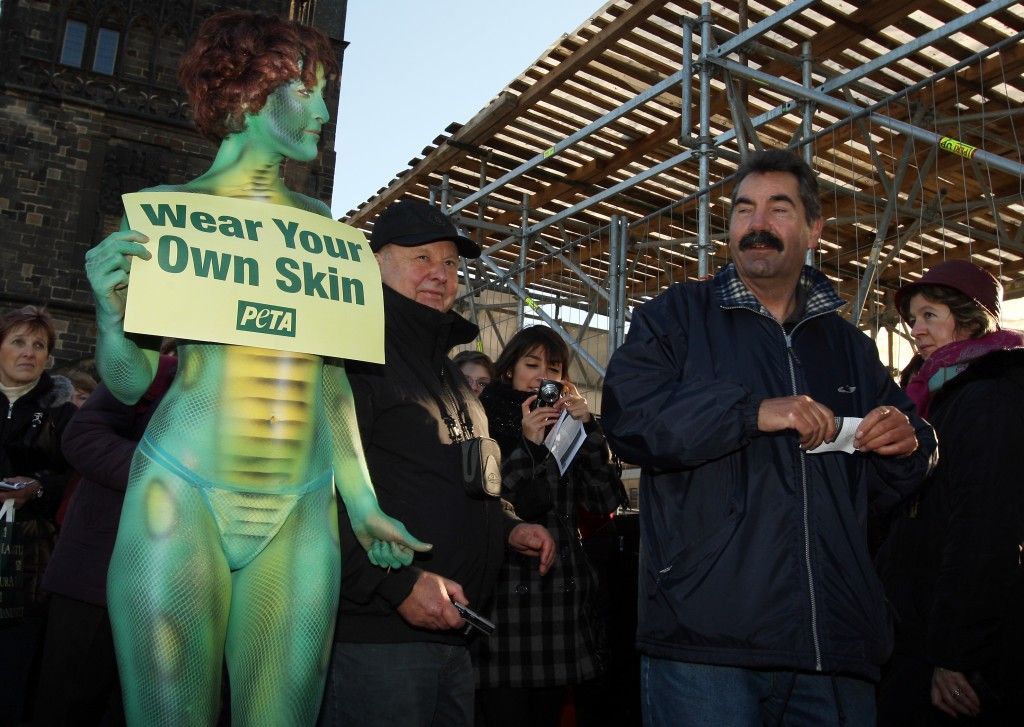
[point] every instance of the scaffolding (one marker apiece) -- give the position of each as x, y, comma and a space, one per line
592, 185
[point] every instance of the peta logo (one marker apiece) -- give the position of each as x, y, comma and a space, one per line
264, 318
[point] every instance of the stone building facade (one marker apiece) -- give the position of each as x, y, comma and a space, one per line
90, 109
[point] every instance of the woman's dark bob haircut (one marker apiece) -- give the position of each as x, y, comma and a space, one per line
527, 340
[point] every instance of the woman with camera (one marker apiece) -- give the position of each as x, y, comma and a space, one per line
549, 635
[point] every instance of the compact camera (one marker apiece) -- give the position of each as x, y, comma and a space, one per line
548, 393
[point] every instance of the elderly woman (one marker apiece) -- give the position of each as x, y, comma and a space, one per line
34, 473
227, 547
952, 561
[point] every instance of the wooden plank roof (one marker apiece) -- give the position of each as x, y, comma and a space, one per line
944, 205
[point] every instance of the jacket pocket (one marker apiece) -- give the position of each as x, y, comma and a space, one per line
706, 519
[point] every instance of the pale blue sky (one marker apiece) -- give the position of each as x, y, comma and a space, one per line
415, 66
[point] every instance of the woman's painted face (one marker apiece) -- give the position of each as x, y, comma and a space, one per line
476, 376
290, 121
932, 325
23, 356
533, 367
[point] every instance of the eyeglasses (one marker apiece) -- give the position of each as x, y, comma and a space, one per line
481, 382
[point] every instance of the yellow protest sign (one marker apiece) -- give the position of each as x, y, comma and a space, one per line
253, 274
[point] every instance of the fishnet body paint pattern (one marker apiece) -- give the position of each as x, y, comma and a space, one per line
228, 543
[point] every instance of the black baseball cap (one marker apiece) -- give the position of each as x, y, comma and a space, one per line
413, 222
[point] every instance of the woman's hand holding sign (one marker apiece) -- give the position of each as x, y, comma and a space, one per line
108, 266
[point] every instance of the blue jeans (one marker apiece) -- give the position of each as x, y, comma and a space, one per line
679, 693
420, 685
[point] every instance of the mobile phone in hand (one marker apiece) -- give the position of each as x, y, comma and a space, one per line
473, 619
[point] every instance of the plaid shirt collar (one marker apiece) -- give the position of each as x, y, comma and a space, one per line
819, 295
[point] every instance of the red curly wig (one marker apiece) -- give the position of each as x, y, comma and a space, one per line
239, 58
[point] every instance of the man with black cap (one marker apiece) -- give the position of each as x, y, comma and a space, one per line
400, 653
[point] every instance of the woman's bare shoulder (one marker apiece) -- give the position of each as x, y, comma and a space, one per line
310, 204
169, 188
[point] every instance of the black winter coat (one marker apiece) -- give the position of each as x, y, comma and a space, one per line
549, 629
952, 562
30, 433
754, 553
417, 474
99, 443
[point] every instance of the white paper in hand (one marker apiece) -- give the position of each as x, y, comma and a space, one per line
846, 427
564, 440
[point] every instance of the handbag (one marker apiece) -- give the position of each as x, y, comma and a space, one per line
481, 467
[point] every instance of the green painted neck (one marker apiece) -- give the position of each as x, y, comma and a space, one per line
245, 169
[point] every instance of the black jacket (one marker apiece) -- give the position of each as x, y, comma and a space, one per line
753, 553
952, 564
416, 473
99, 443
30, 432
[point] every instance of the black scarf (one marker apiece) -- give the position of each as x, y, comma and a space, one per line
504, 407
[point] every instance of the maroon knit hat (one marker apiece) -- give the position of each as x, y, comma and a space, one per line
964, 277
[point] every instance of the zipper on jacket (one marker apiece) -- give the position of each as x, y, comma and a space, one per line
790, 358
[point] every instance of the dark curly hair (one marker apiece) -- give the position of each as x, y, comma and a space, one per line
238, 58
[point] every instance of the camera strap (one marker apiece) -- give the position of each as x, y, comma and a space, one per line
465, 431
460, 430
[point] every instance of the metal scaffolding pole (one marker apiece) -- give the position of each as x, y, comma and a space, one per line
583, 276
823, 99
868, 278
614, 281
809, 97
555, 325
686, 84
703, 206
620, 310
775, 19
639, 100
808, 120
524, 241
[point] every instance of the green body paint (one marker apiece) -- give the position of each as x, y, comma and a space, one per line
228, 542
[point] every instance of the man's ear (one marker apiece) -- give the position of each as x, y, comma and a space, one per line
814, 236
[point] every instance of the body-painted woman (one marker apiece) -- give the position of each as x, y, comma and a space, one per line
228, 546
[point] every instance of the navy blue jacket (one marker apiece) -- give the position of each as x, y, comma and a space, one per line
753, 553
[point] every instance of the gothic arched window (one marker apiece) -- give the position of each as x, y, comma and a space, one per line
90, 45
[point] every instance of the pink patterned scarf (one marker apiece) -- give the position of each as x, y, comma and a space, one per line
946, 362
